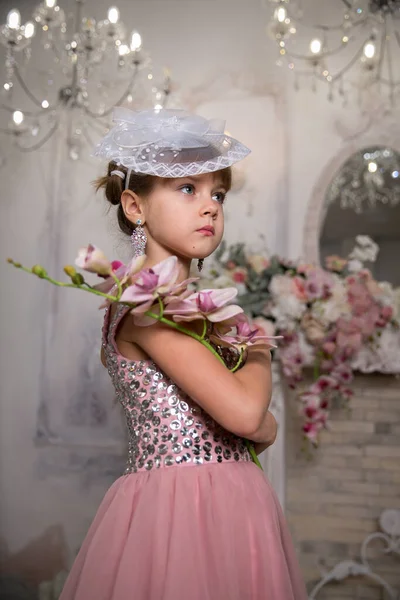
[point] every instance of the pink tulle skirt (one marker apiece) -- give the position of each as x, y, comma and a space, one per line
209, 532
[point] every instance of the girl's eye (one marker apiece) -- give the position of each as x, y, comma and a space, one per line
187, 189
219, 197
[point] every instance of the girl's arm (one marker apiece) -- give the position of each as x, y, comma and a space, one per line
237, 401
272, 430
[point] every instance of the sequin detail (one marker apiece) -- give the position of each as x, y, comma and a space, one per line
166, 428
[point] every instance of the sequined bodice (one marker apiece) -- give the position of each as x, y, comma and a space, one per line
165, 426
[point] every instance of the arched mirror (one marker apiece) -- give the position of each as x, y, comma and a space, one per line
364, 198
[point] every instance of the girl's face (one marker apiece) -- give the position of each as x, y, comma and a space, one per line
184, 217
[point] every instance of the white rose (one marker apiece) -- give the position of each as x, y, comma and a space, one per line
329, 311
281, 285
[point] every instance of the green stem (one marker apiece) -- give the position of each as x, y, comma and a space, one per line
161, 306
201, 339
203, 335
117, 281
184, 330
70, 285
253, 453
239, 362
316, 366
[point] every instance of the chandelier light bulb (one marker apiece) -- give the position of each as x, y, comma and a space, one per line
113, 15
45, 104
50, 3
372, 167
136, 41
18, 117
280, 14
14, 19
369, 50
29, 30
123, 50
316, 46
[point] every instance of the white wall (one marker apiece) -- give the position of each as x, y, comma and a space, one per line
223, 65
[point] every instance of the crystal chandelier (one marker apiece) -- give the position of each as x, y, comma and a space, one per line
360, 53
369, 178
98, 65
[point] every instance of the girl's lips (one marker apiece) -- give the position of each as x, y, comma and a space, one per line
206, 232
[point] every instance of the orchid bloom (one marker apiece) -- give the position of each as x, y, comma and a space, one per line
121, 272
246, 335
92, 259
207, 304
150, 284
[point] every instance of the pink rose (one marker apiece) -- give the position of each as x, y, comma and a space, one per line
299, 288
335, 263
264, 326
239, 275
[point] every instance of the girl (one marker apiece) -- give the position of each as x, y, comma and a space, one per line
193, 516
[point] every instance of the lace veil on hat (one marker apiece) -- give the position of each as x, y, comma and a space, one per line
169, 143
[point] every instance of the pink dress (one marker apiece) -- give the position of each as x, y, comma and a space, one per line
192, 517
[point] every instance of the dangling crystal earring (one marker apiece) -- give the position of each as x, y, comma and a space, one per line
200, 263
138, 239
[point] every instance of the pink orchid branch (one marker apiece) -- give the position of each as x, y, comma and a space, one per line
77, 282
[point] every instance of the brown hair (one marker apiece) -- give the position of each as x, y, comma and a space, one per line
140, 183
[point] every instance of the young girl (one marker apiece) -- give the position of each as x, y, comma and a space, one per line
193, 516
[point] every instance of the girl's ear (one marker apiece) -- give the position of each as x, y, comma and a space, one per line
132, 206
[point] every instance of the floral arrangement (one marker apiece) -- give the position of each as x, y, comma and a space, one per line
324, 317
155, 294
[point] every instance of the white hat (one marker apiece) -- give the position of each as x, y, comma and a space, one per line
169, 143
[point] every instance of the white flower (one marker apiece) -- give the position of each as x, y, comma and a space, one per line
287, 308
306, 349
354, 265
365, 250
388, 296
281, 285
329, 311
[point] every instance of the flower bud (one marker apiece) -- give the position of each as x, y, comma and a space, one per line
77, 279
70, 270
39, 271
14, 264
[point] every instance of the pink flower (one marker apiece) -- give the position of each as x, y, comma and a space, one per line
311, 430
318, 284
239, 275
343, 373
264, 326
359, 297
349, 336
210, 304
92, 259
322, 384
385, 316
151, 284
122, 272
335, 263
292, 361
299, 288
329, 348
239, 333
